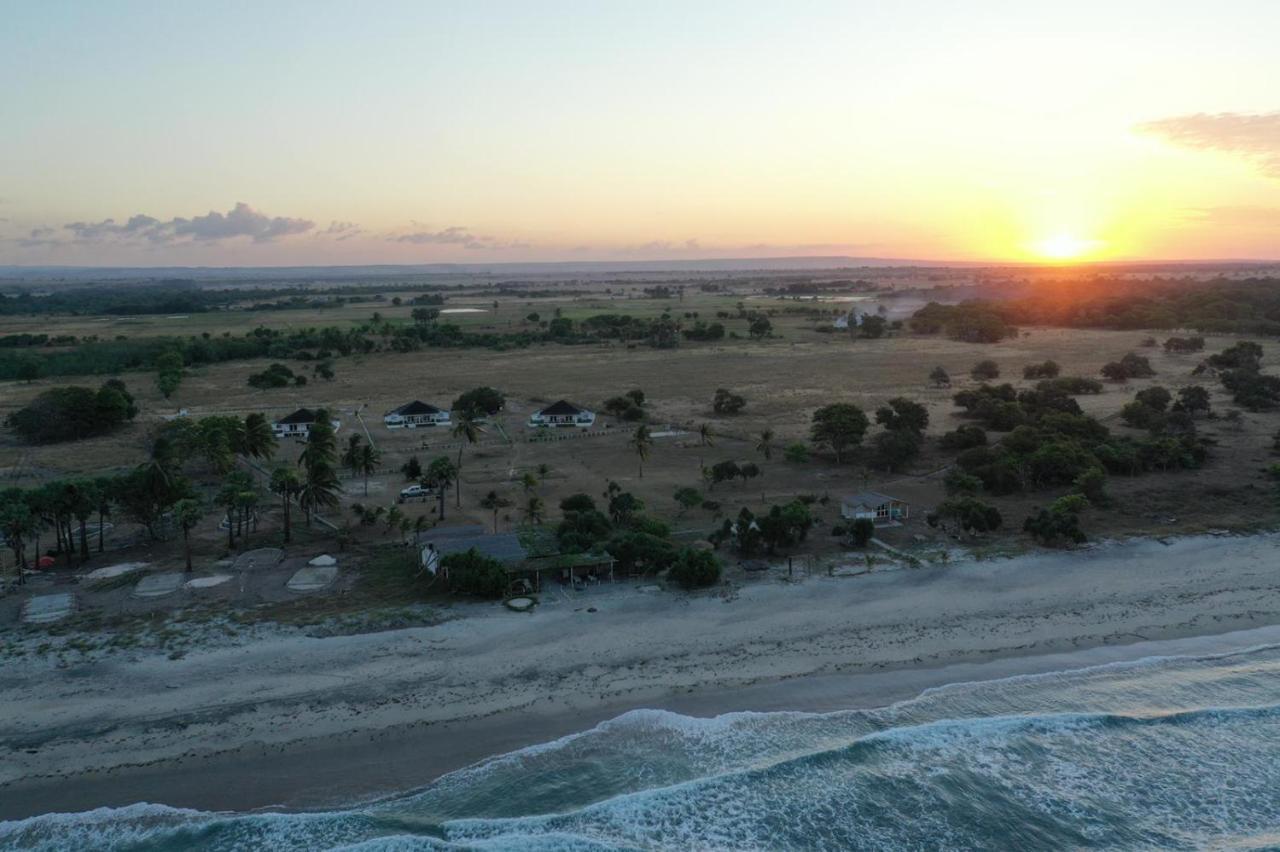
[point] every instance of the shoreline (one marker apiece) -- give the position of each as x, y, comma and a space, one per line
405, 715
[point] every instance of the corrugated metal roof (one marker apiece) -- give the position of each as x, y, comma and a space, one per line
561, 407
505, 547
870, 499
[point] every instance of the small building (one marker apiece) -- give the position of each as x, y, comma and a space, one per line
880, 509
411, 415
298, 424
563, 414
434, 544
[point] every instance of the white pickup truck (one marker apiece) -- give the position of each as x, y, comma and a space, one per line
416, 493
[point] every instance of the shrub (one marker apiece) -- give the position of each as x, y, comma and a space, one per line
796, 453
1047, 370
861, 532
480, 402
72, 413
985, 371
963, 438
695, 569
971, 514
727, 402
473, 573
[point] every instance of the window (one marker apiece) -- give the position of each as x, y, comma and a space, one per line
882, 511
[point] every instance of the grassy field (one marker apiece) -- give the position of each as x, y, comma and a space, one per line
784, 379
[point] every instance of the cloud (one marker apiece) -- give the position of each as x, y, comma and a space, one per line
38, 238
341, 231
456, 236
241, 221
1253, 136
1241, 216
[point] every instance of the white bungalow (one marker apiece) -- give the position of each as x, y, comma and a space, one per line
411, 415
880, 509
563, 414
298, 424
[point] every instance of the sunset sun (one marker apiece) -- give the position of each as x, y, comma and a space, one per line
1063, 247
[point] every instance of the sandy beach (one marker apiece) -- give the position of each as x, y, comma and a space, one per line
301, 722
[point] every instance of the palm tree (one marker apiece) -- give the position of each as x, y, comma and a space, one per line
528, 482
17, 522
229, 498
319, 490
641, 443
704, 435
256, 438
367, 463
494, 502
318, 459
187, 514
351, 455
104, 487
286, 482
765, 446
440, 475
534, 510
467, 430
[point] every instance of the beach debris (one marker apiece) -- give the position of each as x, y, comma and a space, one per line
312, 578
113, 571
46, 609
158, 585
263, 557
323, 560
208, 582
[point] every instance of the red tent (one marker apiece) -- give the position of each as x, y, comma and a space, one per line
44, 562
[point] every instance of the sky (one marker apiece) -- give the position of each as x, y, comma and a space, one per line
294, 133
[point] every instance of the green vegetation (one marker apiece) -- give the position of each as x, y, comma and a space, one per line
71, 413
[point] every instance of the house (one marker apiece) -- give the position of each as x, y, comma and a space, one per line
437, 543
523, 560
298, 424
881, 509
411, 415
563, 414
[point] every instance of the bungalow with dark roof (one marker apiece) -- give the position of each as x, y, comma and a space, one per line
880, 509
563, 413
411, 415
298, 424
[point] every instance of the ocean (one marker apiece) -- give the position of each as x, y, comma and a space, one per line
1179, 752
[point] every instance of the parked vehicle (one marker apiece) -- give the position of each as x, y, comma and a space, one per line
416, 493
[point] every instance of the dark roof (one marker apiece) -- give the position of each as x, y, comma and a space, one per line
415, 407
871, 499
302, 415
561, 408
505, 547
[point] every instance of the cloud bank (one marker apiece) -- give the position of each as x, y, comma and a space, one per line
456, 236
240, 221
1253, 136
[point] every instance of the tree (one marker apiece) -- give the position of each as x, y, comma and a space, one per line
467, 430
939, 377
1060, 522
255, 439
528, 481
18, 523
623, 506
495, 502
760, 327
286, 483
412, 469
479, 403
785, 526
1046, 370
578, 503
73, 413
897, 447
872, 326
28, 370
688, 498
1191, 399
963, 438
324, 370
839, 426
796, 453
642, 444
705, 435
186, 514
369, 458
534, 510
765, 445
985, 371
726, 402
441, 473
861, 531
168, 372
694, 569
901, 414
971, 514
1154, 397
959, 482
473, 573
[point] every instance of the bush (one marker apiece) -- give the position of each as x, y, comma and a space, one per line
861, 532
959, 482
963, 438
985, 371
72, 413
695, 569
796, 453
480, 402
473, 573
727, 402
971, 514
275, 376
1047, 370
